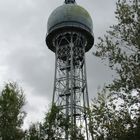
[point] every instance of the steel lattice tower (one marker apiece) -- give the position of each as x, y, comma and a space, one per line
70, 37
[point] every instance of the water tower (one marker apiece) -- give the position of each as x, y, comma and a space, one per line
70, 36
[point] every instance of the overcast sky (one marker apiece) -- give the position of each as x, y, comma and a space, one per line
25, 59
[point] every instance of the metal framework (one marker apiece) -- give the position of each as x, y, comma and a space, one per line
70, 84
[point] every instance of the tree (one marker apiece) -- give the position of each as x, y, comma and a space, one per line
12, 101
55, 125
34, 132
121, 46
116, 116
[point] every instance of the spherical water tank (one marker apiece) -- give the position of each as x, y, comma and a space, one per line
69, 17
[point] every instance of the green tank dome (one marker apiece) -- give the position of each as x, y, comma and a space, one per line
70, 17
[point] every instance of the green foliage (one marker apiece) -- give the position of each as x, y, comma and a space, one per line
116, 116
12, 101
121, 46
54, 124
34, 132
116, 111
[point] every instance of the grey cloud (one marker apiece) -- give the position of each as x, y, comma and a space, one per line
26, 57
